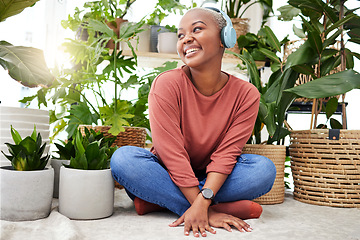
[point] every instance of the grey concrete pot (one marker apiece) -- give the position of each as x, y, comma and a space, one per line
86, 194
56, 165
26, 195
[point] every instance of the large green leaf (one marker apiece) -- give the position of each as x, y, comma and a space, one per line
339, 23
330, 85
270, 54
304, 55
251, 67
272, 39
26, 65
10, 8
315, 42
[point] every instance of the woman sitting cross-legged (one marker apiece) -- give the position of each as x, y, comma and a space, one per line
200, 118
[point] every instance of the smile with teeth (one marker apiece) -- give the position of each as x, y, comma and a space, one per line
191, 50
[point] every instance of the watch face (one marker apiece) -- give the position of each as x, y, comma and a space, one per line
208, 193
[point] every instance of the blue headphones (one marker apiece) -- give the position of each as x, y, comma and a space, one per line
228, 34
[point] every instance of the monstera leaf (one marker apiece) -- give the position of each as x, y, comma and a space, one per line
10, 8
25, 64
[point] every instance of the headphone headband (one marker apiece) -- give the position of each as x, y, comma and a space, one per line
228, 34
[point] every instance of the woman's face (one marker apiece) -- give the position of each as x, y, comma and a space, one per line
199, 39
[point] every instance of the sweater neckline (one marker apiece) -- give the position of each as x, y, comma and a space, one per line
198, 92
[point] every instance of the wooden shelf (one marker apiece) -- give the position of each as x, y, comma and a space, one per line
153, 60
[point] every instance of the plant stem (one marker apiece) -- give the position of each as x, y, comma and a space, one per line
115, 76
84, 97
246, 9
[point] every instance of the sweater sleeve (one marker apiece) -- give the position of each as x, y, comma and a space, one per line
168, 141
224, 158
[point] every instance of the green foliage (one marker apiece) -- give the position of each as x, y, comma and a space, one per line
236, 8
139, 107
323, 23
27, 154
66, 149
24, 64
91, 151
164, 8
273, 101
10, 8
81, 91
263, 46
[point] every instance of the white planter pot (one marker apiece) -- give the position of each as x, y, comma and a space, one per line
144, 41
26, 195
56, 165
23, 111
167, 42
154, 34
86, 194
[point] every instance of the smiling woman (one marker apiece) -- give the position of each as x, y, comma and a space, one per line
195, 163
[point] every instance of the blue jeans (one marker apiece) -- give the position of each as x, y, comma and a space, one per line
141, 174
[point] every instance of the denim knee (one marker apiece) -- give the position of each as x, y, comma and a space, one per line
122, 158
268, 170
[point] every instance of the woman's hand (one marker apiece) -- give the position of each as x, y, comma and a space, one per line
195, 219
223, 220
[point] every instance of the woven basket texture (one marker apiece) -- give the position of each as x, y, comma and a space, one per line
132, 136
277, 154
326, 172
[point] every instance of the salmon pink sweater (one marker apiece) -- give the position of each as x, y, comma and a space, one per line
192, 132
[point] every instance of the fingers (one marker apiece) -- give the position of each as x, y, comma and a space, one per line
198, 230
237, 223
179, 221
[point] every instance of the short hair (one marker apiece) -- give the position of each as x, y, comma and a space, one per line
217, 16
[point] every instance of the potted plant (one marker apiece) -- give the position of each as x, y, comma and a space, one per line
27, 66
315, 153
27, 185
167, 40
75, 88
270, 113
86, 185
66, 150
162, 9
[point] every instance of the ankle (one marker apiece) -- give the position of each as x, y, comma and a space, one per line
142, 207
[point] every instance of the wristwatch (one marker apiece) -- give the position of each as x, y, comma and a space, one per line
207, 193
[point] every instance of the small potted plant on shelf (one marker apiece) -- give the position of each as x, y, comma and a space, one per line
86, 185
27, 185
167, 40
163, 8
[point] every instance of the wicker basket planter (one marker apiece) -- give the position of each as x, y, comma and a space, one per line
277, 154
325, 171
133, 136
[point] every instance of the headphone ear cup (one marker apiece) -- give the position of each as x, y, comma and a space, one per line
228, 36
